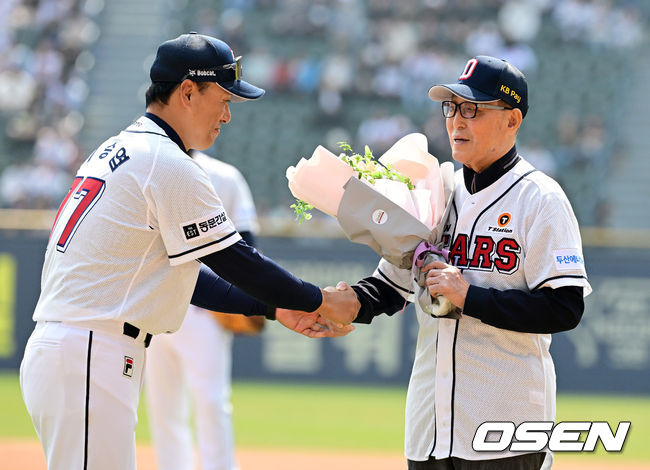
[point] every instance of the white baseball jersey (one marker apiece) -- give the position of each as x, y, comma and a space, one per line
518, 233
125, 241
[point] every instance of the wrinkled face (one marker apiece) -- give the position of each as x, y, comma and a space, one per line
210, 110
479, 141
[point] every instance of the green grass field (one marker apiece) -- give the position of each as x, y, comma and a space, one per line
368, 419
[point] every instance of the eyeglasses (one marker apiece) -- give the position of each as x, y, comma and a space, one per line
220, 74
467, 108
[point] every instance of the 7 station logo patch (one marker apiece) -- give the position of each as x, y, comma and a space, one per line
504, 219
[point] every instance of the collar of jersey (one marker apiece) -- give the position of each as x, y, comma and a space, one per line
171, 133
475, 182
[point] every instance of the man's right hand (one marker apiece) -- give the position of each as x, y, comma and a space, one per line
310, 324
340, 305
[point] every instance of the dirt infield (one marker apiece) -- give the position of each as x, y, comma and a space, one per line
27, 455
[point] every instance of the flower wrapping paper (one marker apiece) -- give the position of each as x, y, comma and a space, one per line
387, 216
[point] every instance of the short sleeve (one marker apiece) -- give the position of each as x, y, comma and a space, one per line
554, 255
399, 279
190, 216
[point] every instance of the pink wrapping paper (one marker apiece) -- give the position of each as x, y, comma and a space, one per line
319, 180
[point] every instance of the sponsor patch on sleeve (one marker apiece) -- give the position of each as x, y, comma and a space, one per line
570, 259
202, 227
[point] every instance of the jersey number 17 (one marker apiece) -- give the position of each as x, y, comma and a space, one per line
82, 196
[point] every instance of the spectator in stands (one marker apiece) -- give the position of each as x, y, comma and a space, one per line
17, 90
41, 94
380, 130
327, 52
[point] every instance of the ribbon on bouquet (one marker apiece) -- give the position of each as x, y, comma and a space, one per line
425, 248
439, 306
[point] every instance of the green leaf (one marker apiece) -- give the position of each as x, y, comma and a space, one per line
301, 210
365, 167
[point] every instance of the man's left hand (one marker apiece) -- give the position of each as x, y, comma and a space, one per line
445, 279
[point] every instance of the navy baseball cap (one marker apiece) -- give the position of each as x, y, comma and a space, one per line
202, 58
486, 79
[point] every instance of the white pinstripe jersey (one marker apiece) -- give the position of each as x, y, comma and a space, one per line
125, 241
518, 233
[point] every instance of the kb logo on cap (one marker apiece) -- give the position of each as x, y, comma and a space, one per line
512, 93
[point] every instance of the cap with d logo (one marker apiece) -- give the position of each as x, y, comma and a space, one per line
486, 79
202, 58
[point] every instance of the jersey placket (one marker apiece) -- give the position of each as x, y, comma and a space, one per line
445, 358
444, 386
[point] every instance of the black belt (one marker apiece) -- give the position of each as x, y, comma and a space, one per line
134, 332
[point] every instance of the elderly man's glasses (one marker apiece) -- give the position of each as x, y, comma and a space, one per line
467, 108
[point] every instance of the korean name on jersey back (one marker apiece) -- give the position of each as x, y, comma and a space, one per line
118, 156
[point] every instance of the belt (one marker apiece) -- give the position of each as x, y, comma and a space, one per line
134, 332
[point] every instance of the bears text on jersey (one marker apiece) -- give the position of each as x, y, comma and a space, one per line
486, 254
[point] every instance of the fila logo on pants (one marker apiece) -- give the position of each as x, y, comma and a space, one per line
128, 366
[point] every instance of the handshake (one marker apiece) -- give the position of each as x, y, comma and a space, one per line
339, 308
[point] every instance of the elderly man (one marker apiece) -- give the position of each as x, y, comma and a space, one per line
516, 273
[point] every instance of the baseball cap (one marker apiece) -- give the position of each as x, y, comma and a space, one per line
487, 79
202, 58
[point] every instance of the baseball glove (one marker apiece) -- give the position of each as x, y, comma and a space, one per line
240, 324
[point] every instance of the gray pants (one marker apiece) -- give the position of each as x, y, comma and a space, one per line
520, 462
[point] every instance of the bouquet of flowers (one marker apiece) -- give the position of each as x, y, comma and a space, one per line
395, 204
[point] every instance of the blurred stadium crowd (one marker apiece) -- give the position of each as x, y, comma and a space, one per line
354, 70
44, 62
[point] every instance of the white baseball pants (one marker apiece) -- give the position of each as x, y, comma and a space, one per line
81, 386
